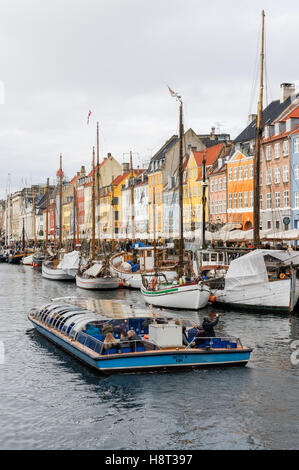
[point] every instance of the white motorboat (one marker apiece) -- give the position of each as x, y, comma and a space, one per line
65, 270
96, 277
262, 279
121, 265
157, 291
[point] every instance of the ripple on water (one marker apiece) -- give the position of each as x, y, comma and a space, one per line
48, 400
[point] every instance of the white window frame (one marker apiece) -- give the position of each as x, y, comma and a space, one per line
277, 150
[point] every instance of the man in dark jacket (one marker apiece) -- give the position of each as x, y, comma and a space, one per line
208, 326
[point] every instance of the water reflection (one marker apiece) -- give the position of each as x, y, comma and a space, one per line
50, 400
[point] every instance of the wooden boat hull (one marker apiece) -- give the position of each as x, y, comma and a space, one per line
160, 360
97, 283
57, 274
187, 297
271, 296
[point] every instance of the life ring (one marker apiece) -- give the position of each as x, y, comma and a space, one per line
282, 276
153, 283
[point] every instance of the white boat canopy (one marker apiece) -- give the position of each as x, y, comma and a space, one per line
251, 268
70, 260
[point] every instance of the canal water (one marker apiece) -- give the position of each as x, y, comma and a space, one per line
48, 400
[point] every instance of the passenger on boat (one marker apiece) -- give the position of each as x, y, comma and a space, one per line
124, 340
110, 342
208, 326
106, 328
135, 340
199, 339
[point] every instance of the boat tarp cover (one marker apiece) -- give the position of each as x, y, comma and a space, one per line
250, 269
70, 260
93, 270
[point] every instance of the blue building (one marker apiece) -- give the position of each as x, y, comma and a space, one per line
294, 141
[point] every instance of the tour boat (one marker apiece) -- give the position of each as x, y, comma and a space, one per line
262, 279
157, 291
77, 324
121, 265
65, 270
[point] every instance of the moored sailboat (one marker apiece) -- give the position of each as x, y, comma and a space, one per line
184, 292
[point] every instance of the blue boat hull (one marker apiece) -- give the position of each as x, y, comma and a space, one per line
154, 360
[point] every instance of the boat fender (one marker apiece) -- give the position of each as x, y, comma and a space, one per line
121, 284
212, 298
282, 276
153, 283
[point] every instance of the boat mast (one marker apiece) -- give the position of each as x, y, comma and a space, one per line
204, 200
60, 203
23, 237
154, 228
257, 159
9, 212
54, 221
112, 216
93, 205
74, 218
34, 219
47, 214
98, 184
181, 174
132, 198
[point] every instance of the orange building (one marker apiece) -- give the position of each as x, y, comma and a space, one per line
240, 190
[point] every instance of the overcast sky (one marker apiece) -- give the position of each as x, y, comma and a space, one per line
61, 58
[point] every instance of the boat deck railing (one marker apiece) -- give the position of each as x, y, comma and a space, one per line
98, 346
226, 342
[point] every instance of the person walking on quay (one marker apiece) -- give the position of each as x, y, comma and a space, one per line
208, 326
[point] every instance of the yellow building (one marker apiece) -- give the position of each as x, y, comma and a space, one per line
155, 185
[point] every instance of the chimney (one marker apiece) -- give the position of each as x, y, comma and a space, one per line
251, 118
126, 168
82, 170
212, 135
286, 90
109, 155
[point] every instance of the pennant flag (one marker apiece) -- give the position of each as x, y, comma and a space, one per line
89, 113
173, 94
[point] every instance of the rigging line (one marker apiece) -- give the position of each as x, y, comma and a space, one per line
255, 74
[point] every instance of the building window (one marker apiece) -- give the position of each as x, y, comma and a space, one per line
212, 207
261, 178
220, 184
277, 175
268, 177
277, 199
285, 176
269, 224
277, 224
296, 172
224, 205
251, 172
230, 174
235, 200
277, 150
285, 148
211, 186
216, 186
251, 199
296, 145
286, 199
235, 173
224, 183
268, 152
240, 173
296, 200
269, 201
230, 201
245, 199
245, 172
261, 201
240, 200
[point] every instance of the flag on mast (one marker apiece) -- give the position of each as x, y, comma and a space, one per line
89, 113
174, 94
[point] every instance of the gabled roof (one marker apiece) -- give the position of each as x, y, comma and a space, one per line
270, 113
164, 149
211, 154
